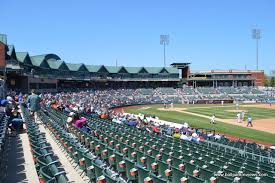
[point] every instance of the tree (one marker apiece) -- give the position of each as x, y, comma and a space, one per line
266, 81
272, 82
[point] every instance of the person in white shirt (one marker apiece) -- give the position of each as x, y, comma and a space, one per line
217, 137
209, 134
238, 118
237, 106
172, 105
212, 119
185, 125
185, 137
243, 115
194, 135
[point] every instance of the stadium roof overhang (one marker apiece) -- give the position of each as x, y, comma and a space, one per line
221, 79
55, 63
180, 65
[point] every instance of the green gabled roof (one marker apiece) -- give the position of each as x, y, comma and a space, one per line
172, 70
41, 60
76, 67
73, 67
11, 52
163, 70
112, 69
38, 61
57, 64
23, 57
63, 66
103, 69
93, 68
142, 70
122, 70
97, 68
3, 39
47, 57
133, 70
153, 70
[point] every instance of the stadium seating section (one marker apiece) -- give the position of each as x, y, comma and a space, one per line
3, 146
119, 153
47, 165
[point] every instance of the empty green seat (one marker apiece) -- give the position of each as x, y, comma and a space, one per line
142, 173
177, 175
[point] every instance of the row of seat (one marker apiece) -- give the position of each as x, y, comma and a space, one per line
94, 168
47, 164
248, 147
204, 149
3, 145
192, 161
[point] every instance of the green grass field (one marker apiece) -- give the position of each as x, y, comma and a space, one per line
220, 112
224, 111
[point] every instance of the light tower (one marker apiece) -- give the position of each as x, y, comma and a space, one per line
256, 34
164, 40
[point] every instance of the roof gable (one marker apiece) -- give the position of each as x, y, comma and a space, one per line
39, 61
132, 70
172, 70
93, 68
153, 70
23, 57
73, 67
163, 70
83, 68
63, 66
142, 70
103, 69
57, 64
76, 67
11, 52
122, 70
112, 69
28, 60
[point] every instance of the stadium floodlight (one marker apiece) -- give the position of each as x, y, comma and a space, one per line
164, 40
256, 34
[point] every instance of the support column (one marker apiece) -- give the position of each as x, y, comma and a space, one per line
28, 82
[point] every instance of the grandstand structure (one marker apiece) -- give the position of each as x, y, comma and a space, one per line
227, 78
49, 72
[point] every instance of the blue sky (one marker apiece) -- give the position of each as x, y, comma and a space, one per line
211, 34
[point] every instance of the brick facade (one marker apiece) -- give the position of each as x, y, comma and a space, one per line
2, 55
259, 78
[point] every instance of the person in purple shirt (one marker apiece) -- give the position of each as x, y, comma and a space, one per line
80, 122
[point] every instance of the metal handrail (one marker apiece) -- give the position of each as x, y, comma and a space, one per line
243, 152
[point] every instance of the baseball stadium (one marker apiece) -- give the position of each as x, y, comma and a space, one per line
64, 121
